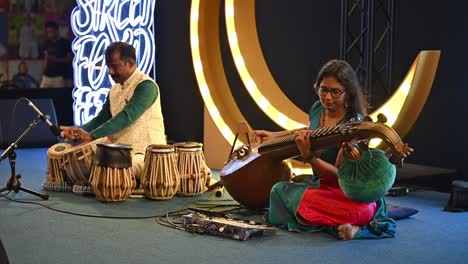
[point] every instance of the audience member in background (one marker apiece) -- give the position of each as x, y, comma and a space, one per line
28, 47
23, 79
57, 58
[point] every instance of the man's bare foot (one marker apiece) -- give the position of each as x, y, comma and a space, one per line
347, 231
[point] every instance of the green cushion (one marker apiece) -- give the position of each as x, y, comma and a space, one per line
368, 178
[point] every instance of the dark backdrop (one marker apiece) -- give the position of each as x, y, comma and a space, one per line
297, 37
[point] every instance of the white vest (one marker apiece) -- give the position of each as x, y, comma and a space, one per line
149, 127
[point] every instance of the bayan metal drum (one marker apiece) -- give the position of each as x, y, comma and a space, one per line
111, 178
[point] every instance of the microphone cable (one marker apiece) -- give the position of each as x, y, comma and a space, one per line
91, 215
185, 208
169, 219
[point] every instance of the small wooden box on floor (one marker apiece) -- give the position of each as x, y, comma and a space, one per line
458, 201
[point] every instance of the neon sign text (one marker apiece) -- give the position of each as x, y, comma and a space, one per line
96, 24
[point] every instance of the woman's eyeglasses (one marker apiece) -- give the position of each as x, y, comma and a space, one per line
334, 92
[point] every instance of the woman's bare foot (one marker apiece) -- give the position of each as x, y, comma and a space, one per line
347, 231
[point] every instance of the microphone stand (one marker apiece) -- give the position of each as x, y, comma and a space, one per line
13, 183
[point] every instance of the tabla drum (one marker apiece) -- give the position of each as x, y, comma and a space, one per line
56, 178
194, 173
112, 179
84, 190
160, 178
78, 160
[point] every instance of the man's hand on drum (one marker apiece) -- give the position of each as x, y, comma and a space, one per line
75, 134
69, 133
84, 136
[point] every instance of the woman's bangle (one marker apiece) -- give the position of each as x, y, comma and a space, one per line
312, 155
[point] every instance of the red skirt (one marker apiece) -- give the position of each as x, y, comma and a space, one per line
328, 206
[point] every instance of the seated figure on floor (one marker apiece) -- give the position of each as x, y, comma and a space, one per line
132, 112
320, 204
23, 79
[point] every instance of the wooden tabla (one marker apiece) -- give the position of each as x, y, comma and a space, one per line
194, 173
56, 178
160, 178
78, 160
112, 179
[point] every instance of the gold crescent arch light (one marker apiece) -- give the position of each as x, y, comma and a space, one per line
209, 70
252, 67
401, 109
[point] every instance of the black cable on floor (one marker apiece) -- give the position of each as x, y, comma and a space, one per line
87, 215
169, 219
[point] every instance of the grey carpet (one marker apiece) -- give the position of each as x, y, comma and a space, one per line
33, 234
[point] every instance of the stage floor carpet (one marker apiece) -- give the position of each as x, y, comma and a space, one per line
34, 234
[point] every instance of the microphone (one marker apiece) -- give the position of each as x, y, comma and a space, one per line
55, 130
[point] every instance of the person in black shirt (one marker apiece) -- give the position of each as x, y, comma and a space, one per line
57, 58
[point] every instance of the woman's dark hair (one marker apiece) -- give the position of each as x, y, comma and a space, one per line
345, 74
127, 51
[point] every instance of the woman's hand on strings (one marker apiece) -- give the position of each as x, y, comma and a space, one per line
262, 135
303, 144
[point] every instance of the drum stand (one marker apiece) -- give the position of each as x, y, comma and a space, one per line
13, 183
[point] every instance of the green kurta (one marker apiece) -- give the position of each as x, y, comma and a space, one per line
285, 198
104, 124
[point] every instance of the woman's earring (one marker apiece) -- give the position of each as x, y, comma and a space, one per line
346, 104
